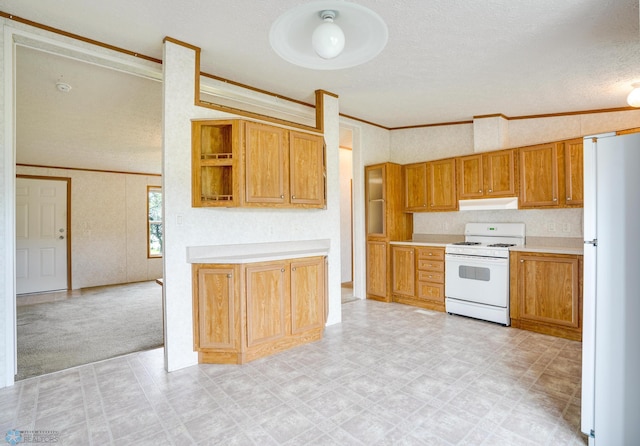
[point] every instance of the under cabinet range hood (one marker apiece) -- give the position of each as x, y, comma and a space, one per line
488, 204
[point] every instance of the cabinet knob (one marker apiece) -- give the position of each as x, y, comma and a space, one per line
292, 269
431, 204
568, 198
282, 196
555, 199
490, 190
228, 276
282, 270
480, 191
293, 197
430, 253
521, 261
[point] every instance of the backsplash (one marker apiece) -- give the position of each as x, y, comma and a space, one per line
539, 222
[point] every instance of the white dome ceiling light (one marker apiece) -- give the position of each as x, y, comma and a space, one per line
634, 97
328, 35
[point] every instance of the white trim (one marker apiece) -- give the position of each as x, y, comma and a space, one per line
10, 185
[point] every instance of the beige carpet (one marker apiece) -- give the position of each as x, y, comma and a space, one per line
98, 323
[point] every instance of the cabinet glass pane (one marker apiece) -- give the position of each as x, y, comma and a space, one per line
375, 223
375, 201
374, 180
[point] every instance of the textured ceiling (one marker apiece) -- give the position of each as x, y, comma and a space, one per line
444, 62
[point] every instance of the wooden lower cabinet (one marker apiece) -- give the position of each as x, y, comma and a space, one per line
418, 276
248, 311
546, 293
377, 270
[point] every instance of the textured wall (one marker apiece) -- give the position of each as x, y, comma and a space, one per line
187, 226
346, 239
108, 226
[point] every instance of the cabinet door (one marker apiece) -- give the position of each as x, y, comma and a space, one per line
403, 268
377, 269
307, 171
307, 294
215, 316
549, 289
500, 174
214, 163
574, 176
415, 187
266, 293
441, 185
375, 178
266, 164
470, 177
539, 176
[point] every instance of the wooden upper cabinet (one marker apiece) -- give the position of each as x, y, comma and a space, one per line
500, 173
307, 169
249, 164
574, 173
487, 175
539, 176
216, 154
430, 186
415, 187
470, 177
266, 164
441, 185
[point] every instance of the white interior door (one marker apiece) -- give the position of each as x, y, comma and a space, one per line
41, 235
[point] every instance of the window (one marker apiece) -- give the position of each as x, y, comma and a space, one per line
154, 230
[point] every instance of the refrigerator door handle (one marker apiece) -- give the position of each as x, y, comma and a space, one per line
593, 242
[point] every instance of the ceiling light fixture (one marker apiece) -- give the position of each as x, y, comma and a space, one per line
634, 97
63, 87
327, 39
328, 35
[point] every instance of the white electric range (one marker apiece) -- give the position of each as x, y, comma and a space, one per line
477, 271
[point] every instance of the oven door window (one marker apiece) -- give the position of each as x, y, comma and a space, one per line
474, 273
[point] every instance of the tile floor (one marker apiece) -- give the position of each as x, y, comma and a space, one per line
388, 375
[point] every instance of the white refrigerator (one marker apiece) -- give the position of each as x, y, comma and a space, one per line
611, 308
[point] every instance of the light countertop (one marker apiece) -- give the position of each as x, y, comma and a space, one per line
551, 245
257, 252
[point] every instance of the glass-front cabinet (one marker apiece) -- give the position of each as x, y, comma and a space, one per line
385, 221
374, 177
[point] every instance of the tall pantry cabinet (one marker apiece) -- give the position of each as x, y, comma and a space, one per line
385, 221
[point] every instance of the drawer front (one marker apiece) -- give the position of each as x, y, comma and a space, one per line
430, 253
431, 276
431, 291
430, 265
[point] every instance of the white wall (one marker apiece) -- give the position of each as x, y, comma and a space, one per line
186, 226
346, 240
108, 226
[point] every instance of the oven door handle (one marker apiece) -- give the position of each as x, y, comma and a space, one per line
476, 259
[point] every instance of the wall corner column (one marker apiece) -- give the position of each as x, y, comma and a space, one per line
490, 132
328, 117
